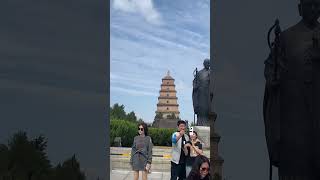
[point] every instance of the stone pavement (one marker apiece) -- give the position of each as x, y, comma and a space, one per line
128, 175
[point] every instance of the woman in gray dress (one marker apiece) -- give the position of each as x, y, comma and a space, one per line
141, 152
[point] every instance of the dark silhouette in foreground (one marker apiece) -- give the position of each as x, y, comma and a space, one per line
24, 159
292, 97
200, 169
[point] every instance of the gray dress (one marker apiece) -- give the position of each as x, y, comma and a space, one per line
141, 152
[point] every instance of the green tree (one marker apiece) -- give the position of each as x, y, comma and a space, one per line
142, 121
69, 170
117, 112
27, 159
4, 161
24, 159
192, 124
45, 168
171, 116
159, 115
131, 117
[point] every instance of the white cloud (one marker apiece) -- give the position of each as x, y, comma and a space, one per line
186, 42
136, 82
141, 53
123, 5
142, 7
132, 92
181, 85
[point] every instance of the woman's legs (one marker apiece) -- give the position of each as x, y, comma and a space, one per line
136, 175
144, 175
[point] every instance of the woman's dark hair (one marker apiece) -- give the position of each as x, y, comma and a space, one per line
196, 133
145, 128
195, 172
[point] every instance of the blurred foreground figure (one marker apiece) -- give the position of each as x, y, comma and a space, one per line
292, 97
200, 169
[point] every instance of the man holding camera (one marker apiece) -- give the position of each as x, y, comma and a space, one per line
179, 139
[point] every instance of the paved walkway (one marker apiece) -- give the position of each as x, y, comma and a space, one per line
128, 175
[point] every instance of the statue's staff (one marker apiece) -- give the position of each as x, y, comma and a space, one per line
195, 74
274, 48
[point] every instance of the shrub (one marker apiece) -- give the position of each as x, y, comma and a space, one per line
128, 130
161, 136
124, 129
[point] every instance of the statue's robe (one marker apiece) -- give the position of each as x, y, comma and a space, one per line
292, 106
200, 96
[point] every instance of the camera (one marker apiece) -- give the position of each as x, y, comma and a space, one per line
191, 131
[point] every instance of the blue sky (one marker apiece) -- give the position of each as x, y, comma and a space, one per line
147, 39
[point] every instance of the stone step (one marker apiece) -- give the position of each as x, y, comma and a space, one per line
159, 164
156, 150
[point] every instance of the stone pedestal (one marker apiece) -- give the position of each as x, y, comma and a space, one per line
203, 135
217, 164
165, 123
215, 158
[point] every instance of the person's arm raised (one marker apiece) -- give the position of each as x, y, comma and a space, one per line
185, 149
198, 148
176, 136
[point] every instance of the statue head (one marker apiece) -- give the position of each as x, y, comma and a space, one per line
206, 63
309, 10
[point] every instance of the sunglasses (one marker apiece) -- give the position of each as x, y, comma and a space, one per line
204, 169
140, 129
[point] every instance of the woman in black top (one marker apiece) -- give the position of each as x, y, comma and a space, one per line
192, 150
200, 169
141, 153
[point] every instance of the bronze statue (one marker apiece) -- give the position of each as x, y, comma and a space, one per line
292, 97
200, 94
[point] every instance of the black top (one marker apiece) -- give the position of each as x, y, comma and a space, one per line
195, 176
191, 160
182, 155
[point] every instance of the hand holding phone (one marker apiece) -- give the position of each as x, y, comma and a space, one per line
148, 167
182, 132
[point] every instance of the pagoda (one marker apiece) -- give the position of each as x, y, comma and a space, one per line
167, 113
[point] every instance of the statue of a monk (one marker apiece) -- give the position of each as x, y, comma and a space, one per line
200, 94
292, 97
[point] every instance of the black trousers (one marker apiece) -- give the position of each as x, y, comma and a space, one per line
178, 171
